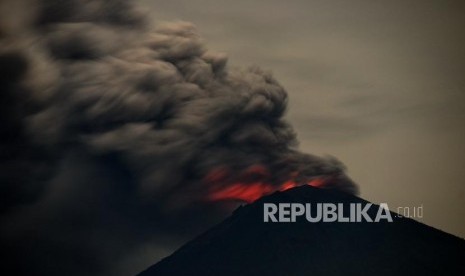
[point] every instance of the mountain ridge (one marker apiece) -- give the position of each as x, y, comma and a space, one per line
245, 245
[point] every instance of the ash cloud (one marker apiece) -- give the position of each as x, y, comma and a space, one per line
109, 127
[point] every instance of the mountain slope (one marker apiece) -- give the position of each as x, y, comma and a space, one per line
244, 245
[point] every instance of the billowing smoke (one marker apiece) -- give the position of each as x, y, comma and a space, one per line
111, 133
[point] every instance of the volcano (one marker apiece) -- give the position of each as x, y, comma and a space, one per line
244, 244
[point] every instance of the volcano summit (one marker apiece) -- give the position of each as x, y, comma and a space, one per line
244, 244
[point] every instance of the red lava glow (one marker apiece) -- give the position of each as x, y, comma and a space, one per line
317, 182
251, 187
242, 192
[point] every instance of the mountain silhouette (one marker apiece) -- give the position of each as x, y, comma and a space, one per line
245, 245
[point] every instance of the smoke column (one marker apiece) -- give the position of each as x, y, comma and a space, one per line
113, 132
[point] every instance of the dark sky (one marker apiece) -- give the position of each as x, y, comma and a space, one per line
378, 84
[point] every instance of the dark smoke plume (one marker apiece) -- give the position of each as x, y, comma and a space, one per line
109, 128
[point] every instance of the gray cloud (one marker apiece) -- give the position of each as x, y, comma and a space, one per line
402, 140
110, 127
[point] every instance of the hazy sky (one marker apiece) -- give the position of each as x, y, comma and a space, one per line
378, 84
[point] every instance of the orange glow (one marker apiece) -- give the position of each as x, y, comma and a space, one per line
288, 185
249, 192
249, 185
242, 192
317, 182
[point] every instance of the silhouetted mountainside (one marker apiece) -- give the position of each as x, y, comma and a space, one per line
245, 245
